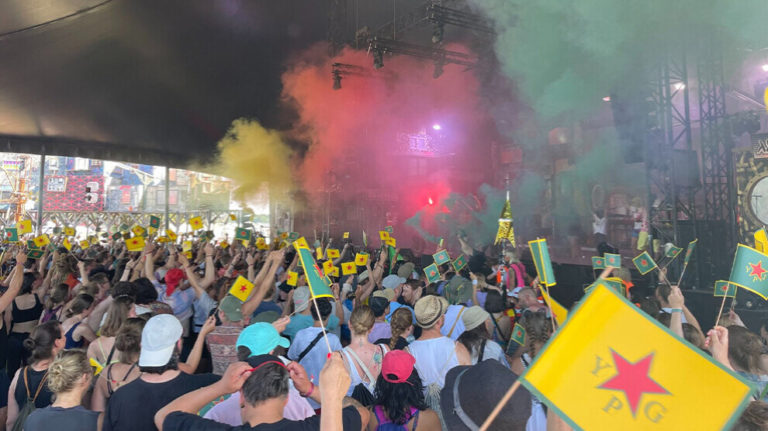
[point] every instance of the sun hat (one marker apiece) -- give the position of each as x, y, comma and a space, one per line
428, 310
389, 294
474, 316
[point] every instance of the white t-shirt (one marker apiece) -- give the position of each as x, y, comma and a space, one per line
453, 314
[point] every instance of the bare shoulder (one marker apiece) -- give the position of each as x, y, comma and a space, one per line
428, 421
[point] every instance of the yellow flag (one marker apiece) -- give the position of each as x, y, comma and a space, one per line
241, 288
301, 243
135, 244
348, 268
25, 226
97, 367
67, 244
42, 240
186, 246
196, 223
319, 253
171, 235
293, 278
233, 217
335, 271
383, 235
84, 244
138, 230
361, 259
761, 241
392, 242
642, 240
187, 254
163, 239
560, 312
69, 231
611, 367
261, 244
345, 236
151, 230
328, 267
224, 245
93, 239
333, 253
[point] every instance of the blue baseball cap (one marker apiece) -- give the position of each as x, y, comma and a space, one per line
261, 338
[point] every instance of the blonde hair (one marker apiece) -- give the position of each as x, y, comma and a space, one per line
361, 320
118, 312
65, 371
401, 320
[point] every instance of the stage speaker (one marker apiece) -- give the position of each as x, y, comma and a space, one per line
685, 168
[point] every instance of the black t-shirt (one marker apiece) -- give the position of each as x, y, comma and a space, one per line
62, 419
133, 406
180, 421
399, 345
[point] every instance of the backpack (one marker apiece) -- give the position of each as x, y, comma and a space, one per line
29, 406
391, 426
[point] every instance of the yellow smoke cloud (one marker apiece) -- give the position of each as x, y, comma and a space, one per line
256, 159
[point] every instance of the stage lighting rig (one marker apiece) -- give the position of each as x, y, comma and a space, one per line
441, 15
340, 70
441, 57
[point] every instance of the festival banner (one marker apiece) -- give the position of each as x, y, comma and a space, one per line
301, 243
750, 270
596, 375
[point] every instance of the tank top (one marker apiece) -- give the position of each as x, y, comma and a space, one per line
434, 357
34, 378
354, 374
387, 425
71, 343
29, 315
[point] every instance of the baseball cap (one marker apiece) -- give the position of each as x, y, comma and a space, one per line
172, 279
464, 398
397, 366
231, 307
261, 338
158, 340
300, 299
473, 317
392, 281
429, 309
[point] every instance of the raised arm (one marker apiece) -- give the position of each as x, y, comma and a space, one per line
193, 360
258, 295
194, 281
16, 279
149, 263
210, 271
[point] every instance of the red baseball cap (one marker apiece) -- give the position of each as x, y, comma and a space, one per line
172, 279
397, 363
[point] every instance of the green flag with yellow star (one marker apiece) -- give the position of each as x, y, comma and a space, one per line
750, 270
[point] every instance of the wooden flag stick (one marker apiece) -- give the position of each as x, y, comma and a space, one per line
500, 405
322, 325
720, 313
682, 274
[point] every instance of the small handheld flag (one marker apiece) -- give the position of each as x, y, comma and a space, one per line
31, 244
116, 236
97, 367
171, 235
11, 234
154, 222
138, 230
317, 286
35, 254
67, 244
392, 242
689, 251
540, 254
84, 244
319, 253
196, 223
723, 288
293, 278
612, 260
432, 273
233, 217
186, 246
673, 251
328, 267
598, 262
345, 236
224, 244
135, 244
301, 243
390, 230
441, 257
459, 263
241, 288
559, 312
750, 270
293, 236
333, 253
348, 268
242, 234
93, 239
518, 334
42, 240
761, 240
361, 259
383, 235
69, 231
335, 271
644, 263
25, 226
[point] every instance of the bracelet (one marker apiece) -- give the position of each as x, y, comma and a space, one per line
311, 389
675, 310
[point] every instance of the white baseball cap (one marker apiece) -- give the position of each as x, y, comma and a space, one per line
158, 339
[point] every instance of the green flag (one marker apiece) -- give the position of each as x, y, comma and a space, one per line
441, 257
598, 262
460, 263
689, 251
31, 245
35, 254
317, 286
389, 229
644, 263
540, 254
612, 260
293, 236
518, 334
432, 273
723, 288
673, 252
11, 234
750, 270
154, 221
242, 234
116, 236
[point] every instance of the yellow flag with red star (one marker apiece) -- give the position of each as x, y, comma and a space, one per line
69, 231
392, 242
327, 267
138, 230
348, 268
42, 240
333, 253
319, 253
597, 376
293, 278
241, 288
301, 243
196, 223
171, 235
361, 259
25, 226
84, 244
224, 244
135, 244
66, 244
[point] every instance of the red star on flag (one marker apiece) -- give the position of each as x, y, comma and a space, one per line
757, 270
518, 333
643, 262
431, 273
134, 242
243, 288
633, 380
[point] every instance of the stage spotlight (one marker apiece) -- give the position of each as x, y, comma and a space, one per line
430, 201
436, 127
679, 86
765, 68
378, 59
607, 99
336, 80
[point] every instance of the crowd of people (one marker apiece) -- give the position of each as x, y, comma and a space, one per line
106, 338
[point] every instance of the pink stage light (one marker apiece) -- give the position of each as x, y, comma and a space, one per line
436, 127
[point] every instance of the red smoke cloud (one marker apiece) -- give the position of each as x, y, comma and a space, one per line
353, 132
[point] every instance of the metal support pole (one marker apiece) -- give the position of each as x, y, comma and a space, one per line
41, 193
167, 198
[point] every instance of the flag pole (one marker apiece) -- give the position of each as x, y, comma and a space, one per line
681, 275
721, 308
500, 405
322, 325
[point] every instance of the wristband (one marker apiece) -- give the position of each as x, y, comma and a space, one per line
474, 282
675, 310
311, 389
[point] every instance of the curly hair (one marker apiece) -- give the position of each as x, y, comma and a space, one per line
397, 398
